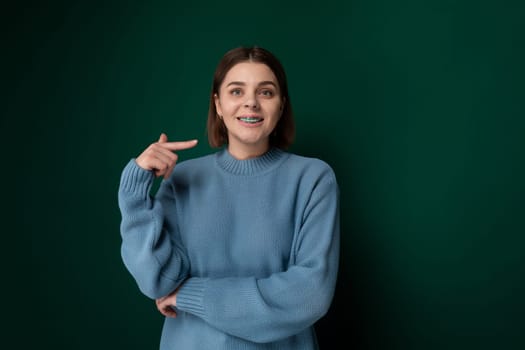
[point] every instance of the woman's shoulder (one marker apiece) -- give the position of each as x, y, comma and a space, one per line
190, 169
203, 160
310, 162
310, 165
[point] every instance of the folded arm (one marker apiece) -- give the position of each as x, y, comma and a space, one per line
285, 303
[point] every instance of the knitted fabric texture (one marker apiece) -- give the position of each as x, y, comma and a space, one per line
252, 245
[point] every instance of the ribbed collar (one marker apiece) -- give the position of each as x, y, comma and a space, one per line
252, 166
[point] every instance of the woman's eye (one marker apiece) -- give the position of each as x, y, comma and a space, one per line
268, 93
236, 92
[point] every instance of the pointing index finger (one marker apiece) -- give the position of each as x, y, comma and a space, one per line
179, 145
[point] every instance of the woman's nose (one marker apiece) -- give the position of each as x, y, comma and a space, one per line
251, 102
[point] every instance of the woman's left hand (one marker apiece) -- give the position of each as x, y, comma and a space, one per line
165, 304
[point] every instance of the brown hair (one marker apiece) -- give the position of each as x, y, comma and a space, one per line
284, 132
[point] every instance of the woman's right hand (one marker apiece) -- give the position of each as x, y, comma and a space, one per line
160, 157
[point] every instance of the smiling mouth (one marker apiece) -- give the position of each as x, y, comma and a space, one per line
250, 120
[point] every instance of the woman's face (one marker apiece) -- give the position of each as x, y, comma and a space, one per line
250, 104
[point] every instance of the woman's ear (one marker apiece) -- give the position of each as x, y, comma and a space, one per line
217, 104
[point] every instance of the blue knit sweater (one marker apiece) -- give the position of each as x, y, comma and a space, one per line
254, 245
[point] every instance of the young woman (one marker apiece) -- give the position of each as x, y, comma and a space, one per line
239, 248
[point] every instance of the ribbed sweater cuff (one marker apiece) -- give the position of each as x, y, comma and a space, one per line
190, 296
136, 180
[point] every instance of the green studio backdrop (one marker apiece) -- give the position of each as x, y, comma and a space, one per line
417, 105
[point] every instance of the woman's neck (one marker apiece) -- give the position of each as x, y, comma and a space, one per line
247, 152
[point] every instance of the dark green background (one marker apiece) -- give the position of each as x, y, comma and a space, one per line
418, 106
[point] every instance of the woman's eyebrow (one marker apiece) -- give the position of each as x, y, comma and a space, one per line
266, 82
236, 83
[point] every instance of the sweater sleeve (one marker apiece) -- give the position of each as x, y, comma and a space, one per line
155, 260
283, 304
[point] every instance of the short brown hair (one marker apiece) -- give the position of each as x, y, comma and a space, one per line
284, 132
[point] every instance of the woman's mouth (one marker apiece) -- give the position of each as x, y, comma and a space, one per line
250, 120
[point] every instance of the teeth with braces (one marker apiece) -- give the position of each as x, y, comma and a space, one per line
251, 120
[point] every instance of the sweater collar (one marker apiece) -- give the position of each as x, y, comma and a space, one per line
252, 166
